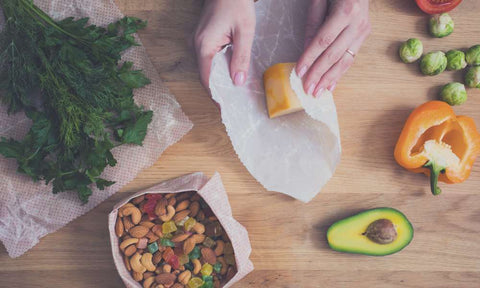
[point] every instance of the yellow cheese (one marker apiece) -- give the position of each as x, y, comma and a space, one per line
281, 99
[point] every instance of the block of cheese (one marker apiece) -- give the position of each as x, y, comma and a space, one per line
281, 99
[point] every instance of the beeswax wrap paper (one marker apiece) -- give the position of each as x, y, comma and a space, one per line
294, 154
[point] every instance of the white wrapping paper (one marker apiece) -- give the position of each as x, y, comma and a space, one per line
294, 154
28, 210
213, 192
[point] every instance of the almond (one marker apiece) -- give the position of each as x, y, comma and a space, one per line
137, 200
198, 238
138, 231
137, 276
194, 208
181, 215
119, 227
188, 245
152, 237
208, 256
177, 285
127, 263
147, 224
157, 230
166, 279
172, 201
199, 228
127, 223
157, 257
180, 237
182, 205
161, 207
130, 250
200, 216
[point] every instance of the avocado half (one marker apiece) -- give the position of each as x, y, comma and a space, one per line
350, 234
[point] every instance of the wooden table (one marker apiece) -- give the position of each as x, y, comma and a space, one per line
288, 237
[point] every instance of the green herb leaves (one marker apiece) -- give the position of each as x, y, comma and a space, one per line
67, 77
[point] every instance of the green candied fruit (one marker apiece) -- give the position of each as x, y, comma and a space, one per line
195, 282
411, 50
169, 227
433, 63
441, 25
454, 93
167, 242
195, 254
473, 55
208, 281
217, 267
472, 78
455, 60
206, 270
152, 247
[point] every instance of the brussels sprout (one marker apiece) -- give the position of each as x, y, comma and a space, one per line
411, 50
433, 63
472, 78
473, 55
441, 25
455, 60
454, 93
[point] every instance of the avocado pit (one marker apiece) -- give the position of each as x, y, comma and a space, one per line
381, 231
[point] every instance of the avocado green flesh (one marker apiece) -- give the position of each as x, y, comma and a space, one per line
347, 235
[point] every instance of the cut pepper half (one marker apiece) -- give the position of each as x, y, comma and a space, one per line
436, 142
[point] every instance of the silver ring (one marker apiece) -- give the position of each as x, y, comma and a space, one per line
350, 52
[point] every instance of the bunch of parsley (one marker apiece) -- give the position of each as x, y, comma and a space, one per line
67, 78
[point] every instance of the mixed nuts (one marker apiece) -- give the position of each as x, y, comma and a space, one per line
174, 241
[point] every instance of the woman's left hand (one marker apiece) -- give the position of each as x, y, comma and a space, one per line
331, 42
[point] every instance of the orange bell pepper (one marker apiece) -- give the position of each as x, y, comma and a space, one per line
436, 142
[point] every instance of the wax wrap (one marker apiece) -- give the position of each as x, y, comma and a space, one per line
28, 210
213, 192
294, 154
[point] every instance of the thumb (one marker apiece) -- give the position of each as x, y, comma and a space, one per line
242, 48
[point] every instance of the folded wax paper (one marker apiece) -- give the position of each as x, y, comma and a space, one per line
28, 210
213, 192
294, 154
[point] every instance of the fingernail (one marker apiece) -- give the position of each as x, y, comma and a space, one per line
319, 92
239, 78
332, 87
310, 89
303, 70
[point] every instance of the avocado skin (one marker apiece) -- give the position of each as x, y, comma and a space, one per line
386, 210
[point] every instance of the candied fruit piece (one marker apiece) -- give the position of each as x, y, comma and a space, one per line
153, 247
195, 282
208, 242
188, 225
207, 269
169, 227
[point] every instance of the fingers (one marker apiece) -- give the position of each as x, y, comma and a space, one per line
205, 56
316, 16
330, 79
242, 47
328, 58
325, 36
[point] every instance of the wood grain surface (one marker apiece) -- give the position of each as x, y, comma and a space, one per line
288, 237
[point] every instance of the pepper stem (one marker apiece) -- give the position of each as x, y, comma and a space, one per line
435, 170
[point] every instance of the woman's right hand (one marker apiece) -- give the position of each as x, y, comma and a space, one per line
225, 22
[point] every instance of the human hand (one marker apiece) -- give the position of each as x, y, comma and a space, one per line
225, 22
330, 33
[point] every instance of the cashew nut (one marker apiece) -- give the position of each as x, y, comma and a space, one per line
219, 248
128, 242
196, 266
136, 264
146, 261
199, 228
167, 268
135, 212
148, 282
137, 276
184, 277
120, 210
172, 201
169, 215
